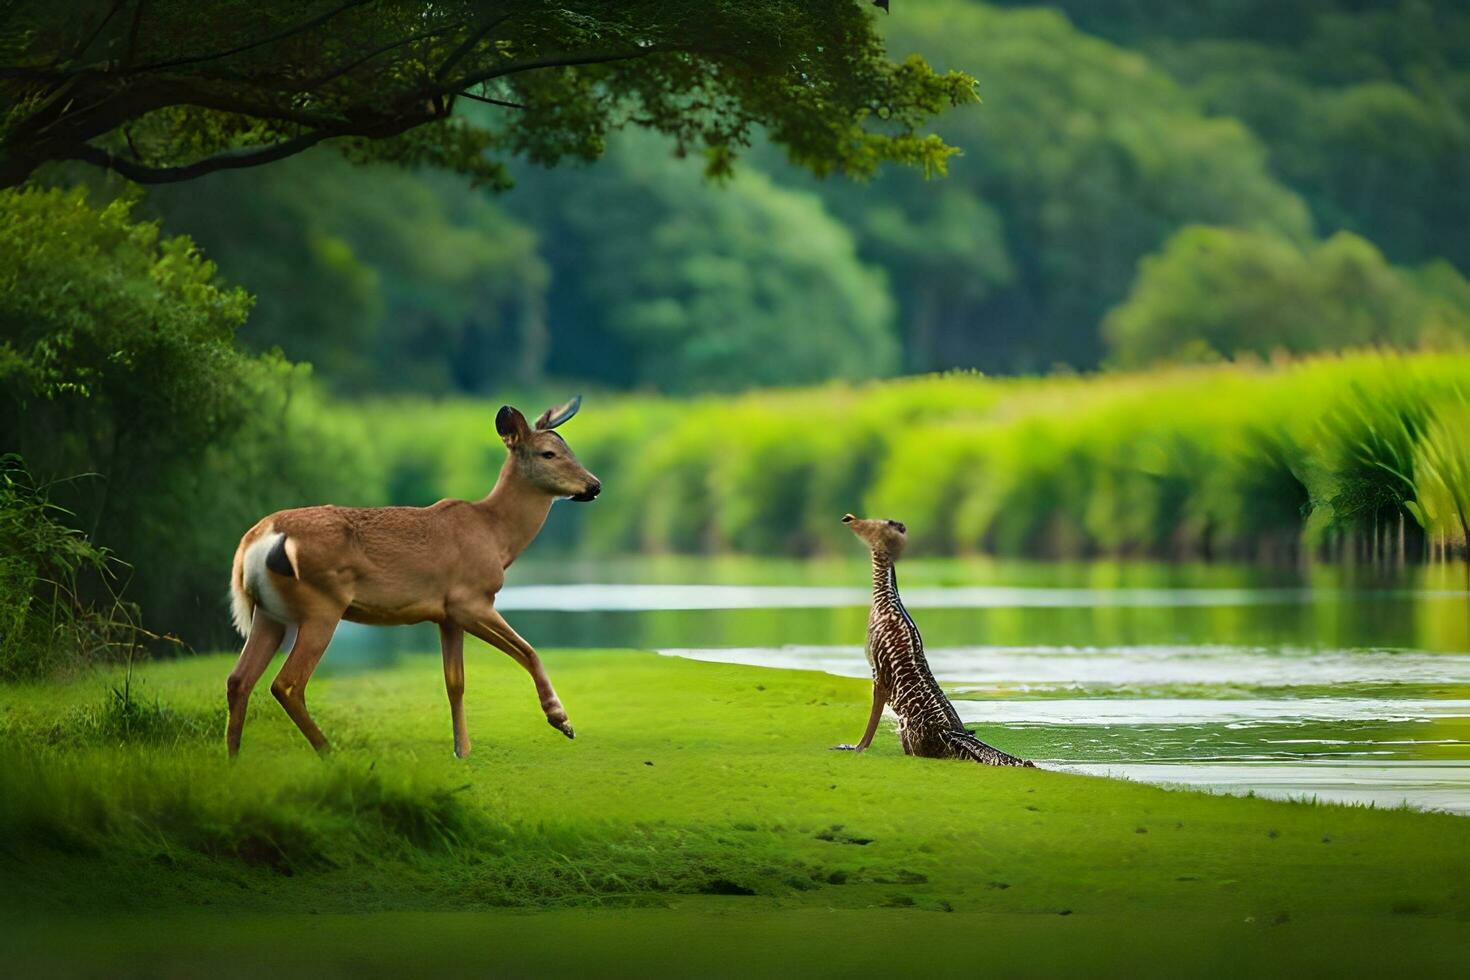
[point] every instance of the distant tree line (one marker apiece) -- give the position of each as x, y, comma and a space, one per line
1220, 179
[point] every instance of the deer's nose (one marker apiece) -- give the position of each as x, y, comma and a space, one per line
593, 489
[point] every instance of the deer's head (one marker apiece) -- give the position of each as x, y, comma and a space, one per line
882, 537
541, 457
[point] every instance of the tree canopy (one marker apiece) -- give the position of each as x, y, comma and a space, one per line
1363, 105
170, 90
1219, 292
121, 385
381, 278
1083, 158
1088, 156
658, 281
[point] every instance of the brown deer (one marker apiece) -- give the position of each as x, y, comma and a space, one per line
315, 566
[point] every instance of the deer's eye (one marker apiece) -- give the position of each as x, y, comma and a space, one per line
548, 455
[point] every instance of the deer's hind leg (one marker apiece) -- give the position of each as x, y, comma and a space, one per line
289, 687
265, 639
451, 643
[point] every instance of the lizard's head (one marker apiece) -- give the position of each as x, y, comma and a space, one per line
881, 536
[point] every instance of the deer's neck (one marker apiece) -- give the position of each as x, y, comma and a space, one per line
516, 511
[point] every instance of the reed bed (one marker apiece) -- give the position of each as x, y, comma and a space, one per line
1359, 456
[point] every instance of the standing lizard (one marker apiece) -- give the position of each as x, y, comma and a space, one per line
927, 723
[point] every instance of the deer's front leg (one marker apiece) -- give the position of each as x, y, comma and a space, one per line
451, 643
484, 621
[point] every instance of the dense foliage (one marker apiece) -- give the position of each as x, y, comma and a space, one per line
707, 291
1082, 159
1221, 291
171, 90
383, 279
1364, 105
47, 623
376, 276
119, 377
1089, 177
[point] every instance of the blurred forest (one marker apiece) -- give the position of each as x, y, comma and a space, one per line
1145, 187
1137, 186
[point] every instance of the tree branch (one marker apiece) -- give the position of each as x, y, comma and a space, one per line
468, 43
34, 73
335, 73
250, 45
97, 31
554, 61
132, 46
229, 160
489, 101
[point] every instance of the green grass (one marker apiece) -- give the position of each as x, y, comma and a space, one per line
698, 823
1338, 454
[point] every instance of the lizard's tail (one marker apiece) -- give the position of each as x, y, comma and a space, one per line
964, 746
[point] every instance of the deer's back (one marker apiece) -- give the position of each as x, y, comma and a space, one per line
388, 556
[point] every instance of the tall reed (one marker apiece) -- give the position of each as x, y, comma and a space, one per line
1359, 455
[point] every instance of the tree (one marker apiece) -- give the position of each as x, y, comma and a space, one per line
1214, 292
382, 279
1363, 104
119, 377
1083, 159
657, 279
168, 90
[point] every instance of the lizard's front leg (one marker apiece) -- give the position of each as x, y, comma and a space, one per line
879, 699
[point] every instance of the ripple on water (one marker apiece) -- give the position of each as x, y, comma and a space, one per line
1439, 785
598, 597
1125, 666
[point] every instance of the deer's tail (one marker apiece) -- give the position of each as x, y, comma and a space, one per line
262, 549
962, 745
242, 607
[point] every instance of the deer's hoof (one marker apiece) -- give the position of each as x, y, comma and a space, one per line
556, 717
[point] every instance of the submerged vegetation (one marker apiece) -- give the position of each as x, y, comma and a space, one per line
1360, 456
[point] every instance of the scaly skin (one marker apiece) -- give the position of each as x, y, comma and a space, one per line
928, 724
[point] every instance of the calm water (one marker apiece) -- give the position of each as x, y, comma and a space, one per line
1342, 684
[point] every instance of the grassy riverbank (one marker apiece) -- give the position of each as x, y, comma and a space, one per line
697, 809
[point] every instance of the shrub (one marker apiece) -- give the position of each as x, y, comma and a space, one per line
117, 359
46, 623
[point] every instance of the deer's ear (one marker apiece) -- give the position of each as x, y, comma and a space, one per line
553, 417
511, 425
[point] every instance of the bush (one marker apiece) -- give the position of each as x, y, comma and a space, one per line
1219, 292
117, 359
45, 623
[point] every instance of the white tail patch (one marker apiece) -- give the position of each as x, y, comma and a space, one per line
259, 592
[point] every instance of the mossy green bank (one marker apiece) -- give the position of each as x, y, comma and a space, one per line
698, 818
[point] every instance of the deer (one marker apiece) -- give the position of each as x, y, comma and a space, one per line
312, 567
